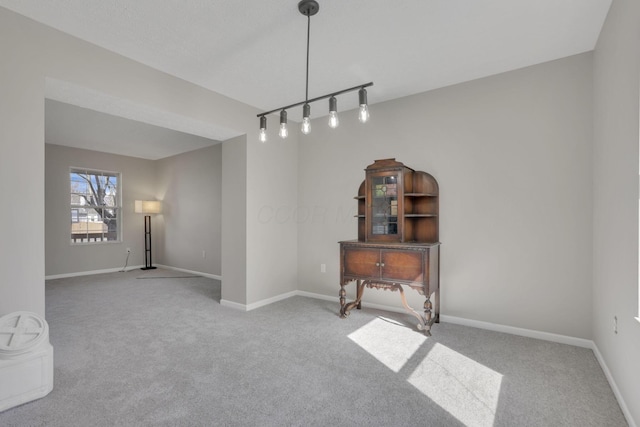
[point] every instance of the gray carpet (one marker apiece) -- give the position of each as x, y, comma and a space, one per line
162, 351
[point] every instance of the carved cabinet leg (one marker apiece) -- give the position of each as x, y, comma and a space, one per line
423, 326
427, 311
345, 309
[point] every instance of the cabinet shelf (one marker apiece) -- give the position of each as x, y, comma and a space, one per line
420, 195
396, 193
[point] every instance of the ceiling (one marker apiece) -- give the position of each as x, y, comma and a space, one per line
254, 50
73, 126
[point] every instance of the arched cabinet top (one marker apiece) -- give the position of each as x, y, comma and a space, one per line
397, 204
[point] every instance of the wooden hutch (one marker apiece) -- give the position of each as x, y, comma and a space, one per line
398, 243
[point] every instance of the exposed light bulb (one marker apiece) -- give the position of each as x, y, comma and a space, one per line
333, 119
363, 114
333, 113
306, 125
284, 132
306, 121
263, 129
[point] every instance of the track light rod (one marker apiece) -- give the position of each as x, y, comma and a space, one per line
306, 88
309, 8
351, 89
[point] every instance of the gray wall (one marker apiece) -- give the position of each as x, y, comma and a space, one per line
234, 219
615, 258
272, 185
138, 182
36, 53
512, 154
190, 187
21, 161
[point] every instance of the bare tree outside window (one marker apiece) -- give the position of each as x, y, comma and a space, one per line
95, 206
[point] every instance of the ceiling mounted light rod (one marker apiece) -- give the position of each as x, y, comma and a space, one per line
309, 8
297, 104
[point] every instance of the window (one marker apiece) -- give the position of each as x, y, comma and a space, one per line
95, 206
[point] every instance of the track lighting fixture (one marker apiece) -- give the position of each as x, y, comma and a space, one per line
309, 8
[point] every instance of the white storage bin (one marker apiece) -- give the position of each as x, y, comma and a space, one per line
26, 359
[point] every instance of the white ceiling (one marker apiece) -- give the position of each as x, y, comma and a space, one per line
73, 126
254, 50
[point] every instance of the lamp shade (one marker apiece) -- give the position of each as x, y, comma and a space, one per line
148, 206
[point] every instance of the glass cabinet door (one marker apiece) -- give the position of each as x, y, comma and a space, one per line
384, 205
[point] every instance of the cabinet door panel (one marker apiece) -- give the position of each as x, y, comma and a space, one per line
362, 262
405, 266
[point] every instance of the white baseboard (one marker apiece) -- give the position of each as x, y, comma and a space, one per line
316, 296
184, 270
546, 336
129, 268
614, 386
268, 301
261, 303
92, 272
234, 305
530, 333
337, 300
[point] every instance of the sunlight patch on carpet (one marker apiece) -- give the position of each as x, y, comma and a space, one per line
463, 387
390, 342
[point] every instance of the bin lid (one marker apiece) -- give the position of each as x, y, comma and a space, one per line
20, 333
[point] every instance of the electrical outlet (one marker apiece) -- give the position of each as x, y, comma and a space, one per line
128, 250
323, 268
615, 324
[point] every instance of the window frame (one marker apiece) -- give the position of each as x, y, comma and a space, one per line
117, 207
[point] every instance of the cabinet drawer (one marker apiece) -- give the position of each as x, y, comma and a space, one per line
407, 266
362, 262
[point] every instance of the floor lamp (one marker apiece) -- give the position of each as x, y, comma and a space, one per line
147, 207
